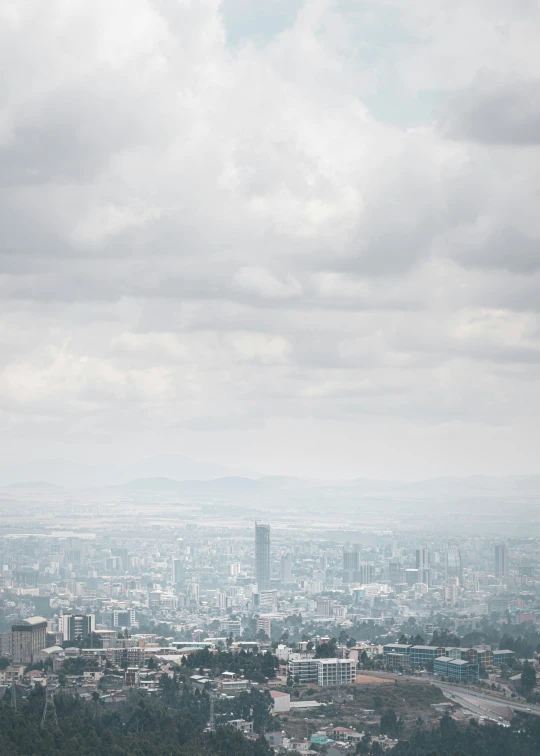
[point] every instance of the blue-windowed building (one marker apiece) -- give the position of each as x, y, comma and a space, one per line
396, 648
421, 656
455, 669
503, 657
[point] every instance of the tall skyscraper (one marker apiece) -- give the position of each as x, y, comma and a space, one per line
179, 573
367, 573
262, 556
422, 565
396, 573
286, 569
351, 560
501, 561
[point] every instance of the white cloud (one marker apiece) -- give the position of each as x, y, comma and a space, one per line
217, 235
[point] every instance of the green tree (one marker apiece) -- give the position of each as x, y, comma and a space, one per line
390, 724
528, 678
327, 650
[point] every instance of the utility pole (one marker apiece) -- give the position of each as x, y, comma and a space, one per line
49, 712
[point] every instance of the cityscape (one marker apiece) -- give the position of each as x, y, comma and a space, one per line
290, 617
269, 378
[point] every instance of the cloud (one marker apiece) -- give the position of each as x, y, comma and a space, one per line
495, 110
207, 232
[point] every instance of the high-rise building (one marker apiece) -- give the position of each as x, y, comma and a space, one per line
324, 606
286, 569
501, 561
395, 572
28, 638
262, 556
264, 624
266, 601
123, 555
351, 560
76, 627
422, 565
366, 573
411, 576
123, 618
179, 573
6, 644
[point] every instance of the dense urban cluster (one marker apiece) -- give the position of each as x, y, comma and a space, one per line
291, 643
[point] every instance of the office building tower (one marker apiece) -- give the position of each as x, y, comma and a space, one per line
422, 565
123, 618
76, 627
264, 624
366, 573
179, 574
262, 556
411, 576
501, 561
395, 572
454, 567
286, 569
28, 638
6, 644
351, 560
324, 606
123, 556
266, 601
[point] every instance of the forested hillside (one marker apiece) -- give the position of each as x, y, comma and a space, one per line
139, 727
452, 739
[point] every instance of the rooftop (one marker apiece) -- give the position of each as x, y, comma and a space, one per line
31, 621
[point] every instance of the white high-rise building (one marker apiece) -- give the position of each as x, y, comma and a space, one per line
76, 626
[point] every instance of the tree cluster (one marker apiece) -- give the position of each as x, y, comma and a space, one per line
452, 739
140, 727
253, 666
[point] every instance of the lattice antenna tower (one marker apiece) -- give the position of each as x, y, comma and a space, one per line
212, 722
49, 712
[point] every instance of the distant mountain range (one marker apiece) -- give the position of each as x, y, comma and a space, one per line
218, 485
75, 475
182, 475
37, 484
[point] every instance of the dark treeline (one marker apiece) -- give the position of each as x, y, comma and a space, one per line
253, 666
139, 727
453, 739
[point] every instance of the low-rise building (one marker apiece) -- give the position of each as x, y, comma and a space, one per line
456, 669
503, 657
420, 656
281, 702
323, 672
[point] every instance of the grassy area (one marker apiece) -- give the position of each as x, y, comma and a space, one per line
409, 701
405, 698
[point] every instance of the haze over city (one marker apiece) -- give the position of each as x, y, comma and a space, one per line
269, 369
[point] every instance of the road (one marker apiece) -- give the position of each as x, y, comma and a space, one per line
471, 693
468, 692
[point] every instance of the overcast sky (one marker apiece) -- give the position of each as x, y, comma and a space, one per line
299, 237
